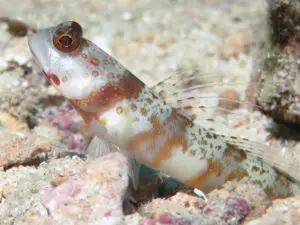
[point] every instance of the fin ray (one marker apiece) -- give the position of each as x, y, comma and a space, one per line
192, 95
281, 159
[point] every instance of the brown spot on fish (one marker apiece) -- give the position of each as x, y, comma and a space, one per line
188, 107
126, 88
271, 194
237, 154
133, 107
105, 61
237, 174
183, 121
95, 73
117, 95
157, 127
194, 116
110, 76
144, 111
146, 136
204, 142
86, 116
214, 168
165, 151
140, 138
149, 101
95, 61
162, 138
208, 135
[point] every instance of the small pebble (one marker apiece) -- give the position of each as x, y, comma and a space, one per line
229, 99
127, 16
236, 43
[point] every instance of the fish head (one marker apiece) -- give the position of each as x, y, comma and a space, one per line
57, 51
80, 70
73, 64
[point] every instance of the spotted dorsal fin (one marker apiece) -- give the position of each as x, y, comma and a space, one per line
202, 97
208, 98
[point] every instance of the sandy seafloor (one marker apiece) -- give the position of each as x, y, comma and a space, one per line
152, 39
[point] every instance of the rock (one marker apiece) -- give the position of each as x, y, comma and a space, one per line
281, 212
253, 193
127, 16
171, 219
16, 149
52, 133
236, 43
15, 27
94, 196
21, 101
229, 99
192, 203
284, 21
135, 219
21, 189
227, 211
277, 81
193, 210
13, 123
277, 85
183, 205
72, 130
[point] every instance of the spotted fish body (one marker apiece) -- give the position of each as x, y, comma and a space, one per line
117, 106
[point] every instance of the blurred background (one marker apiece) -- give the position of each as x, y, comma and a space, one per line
151, 38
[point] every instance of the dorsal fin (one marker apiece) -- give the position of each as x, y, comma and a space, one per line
209, 97
200, 96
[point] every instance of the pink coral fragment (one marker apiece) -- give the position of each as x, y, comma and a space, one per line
61, 194
107, 214
169, 219
65, 119
147, 222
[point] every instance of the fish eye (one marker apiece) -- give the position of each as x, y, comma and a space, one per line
66, 41
67, 37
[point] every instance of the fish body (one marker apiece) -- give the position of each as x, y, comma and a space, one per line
120, 108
